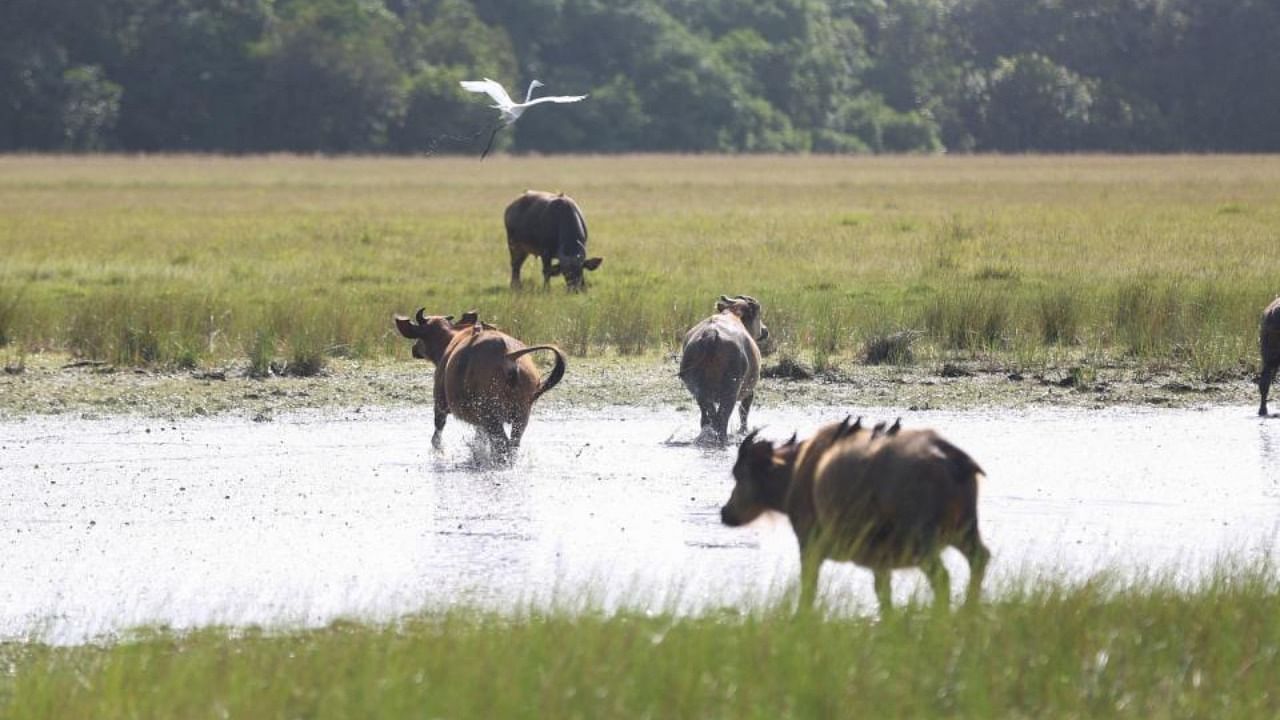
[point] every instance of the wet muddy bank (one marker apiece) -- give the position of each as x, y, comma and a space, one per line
58, 385
121, 521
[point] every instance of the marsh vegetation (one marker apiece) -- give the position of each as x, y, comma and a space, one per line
283, 262
1146, 648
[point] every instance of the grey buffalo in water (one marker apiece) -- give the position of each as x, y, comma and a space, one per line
721, 362
1269, 343
881, 498
483, 375
549, 226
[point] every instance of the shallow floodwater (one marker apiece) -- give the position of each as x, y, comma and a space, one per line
108, 524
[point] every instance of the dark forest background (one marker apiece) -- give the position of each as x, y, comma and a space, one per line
381, 76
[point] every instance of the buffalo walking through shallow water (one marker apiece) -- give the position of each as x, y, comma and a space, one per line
881, 498
720, 363
483, 375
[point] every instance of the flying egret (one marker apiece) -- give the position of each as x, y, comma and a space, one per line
508, 109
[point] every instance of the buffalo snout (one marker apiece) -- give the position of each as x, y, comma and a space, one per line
765, 341
575, 270
729, 517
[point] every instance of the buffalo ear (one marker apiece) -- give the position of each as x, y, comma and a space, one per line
723, 303
407, 328
761, 453
757, 450
593, 263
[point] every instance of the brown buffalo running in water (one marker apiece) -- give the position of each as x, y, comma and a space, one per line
880, 498
721, 362
1269, 343
549, 226
483, 376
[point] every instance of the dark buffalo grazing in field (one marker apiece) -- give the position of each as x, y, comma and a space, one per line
1269, 343
483, 375
551, 227
721, 362
881, 499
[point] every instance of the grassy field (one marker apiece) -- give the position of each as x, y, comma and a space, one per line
1100, 648
186, 261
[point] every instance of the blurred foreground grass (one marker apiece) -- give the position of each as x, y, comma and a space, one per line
1096, 648
184, 261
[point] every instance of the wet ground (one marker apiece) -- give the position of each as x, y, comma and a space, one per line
53, 384
118, 522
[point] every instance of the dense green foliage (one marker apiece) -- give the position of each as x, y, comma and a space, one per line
1097, 648
664, 75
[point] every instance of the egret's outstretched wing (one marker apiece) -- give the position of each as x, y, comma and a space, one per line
489, 87
557, 99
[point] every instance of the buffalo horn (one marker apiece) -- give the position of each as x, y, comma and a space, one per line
420, 316
895, 427
845, 428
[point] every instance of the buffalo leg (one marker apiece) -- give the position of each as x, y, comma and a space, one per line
518, 426
723, 410
517, 260
977, 554
810, 565
745, 409
497, 436
1264, 385
441, 411
884, 589
546, 271
441, 417
708, 411
939, 581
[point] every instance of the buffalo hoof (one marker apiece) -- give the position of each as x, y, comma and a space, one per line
710, 438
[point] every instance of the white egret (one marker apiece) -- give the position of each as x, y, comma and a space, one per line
510, 110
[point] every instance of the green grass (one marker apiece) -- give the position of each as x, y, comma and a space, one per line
191, 260
1098, 648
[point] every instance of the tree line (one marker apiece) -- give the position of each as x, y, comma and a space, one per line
381, 76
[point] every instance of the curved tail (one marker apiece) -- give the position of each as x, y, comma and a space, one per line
557, 372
